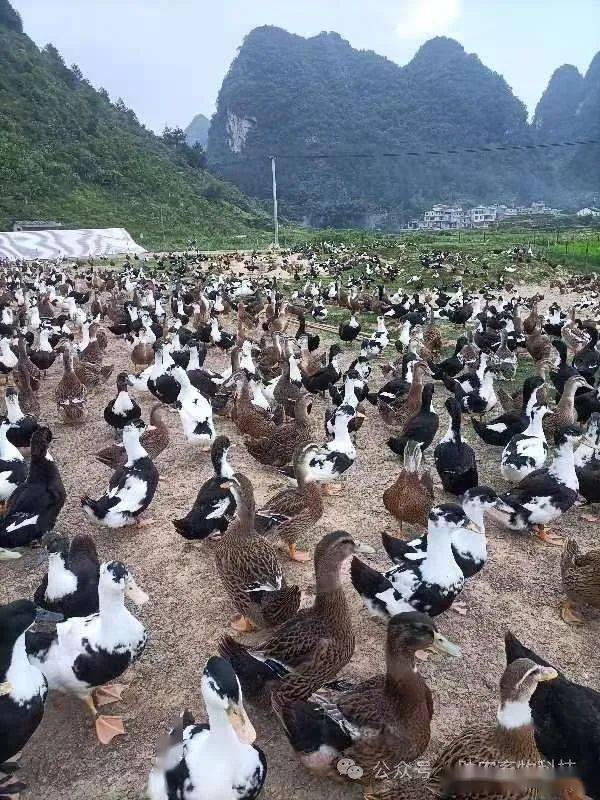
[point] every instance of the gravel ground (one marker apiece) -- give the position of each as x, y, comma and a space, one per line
519, 589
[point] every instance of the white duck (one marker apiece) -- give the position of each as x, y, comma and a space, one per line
526, 451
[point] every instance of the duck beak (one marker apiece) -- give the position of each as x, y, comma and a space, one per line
365, 549
5, 688
443, 645
500, 505
134, 593
240, 722
472, 527
546, 674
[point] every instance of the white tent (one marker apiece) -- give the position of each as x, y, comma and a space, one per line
53, 244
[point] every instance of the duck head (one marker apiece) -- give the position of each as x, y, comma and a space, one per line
517, 685
222, 693
412, 631
116, 580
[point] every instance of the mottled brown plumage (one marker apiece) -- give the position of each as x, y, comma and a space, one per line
249, 568
580, 578
509, 740
70, 392
154, 440
410, 497
278, 443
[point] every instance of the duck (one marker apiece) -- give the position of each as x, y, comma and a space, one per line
154, 439
384, 719
469, 546
28, 399
565, 717
248, 566
587, 360
329, 461
586, 403
481, 398
310, 648
195, 411
123, 409
451, 366
410, 498
499, 431
398, 413
42, 354
454, 459
430, 584
564, 371
349, 329
354, 387
21, 426
35, 504
81, 655
505, 359
278, 446
23, 689
320, 381
213, 760
8, 360
508, 740
587, 461
70, 586
70, 393
544, 494
13, 468
580, 573
130, 489
526, 451
564, 412
293, 512
214, 507
160, 380
420, 428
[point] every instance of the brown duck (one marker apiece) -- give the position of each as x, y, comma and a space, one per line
278, 443
310, 648
249, 568
509, 739
398, 415
292, 513
27, 397
154, 440
411, 496
92, 353
581, 580
383, 720
564, 412
70, 392
249, 419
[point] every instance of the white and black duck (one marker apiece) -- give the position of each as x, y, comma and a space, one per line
22, 426
214, 507
36, 503
349, 329
587, 461
454, 459
123, 409
320, 381
160, 380
130, 489
217, 760
13, 468
23, 689
83, 654
526, 451
469, 546
70, 586
195, 411
499, 431
431, 584
545, 494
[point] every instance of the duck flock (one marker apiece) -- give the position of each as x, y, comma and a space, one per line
294, 366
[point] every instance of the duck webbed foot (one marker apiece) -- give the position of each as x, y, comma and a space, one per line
106, 727
548, 537
242, 624
105, 695
301, 556
568, 613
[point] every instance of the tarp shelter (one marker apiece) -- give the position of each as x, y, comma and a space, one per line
60, 243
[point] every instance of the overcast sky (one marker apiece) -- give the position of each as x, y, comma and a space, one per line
167, 58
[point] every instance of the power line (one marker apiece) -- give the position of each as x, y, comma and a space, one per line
493, 148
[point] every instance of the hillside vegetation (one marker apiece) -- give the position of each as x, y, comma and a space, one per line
289, 96
68, 153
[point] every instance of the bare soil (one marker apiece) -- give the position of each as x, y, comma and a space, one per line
519, 589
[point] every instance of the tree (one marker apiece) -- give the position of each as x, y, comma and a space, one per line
174, 137
196, 156
9, 18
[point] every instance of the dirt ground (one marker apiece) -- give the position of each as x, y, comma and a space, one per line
519, 589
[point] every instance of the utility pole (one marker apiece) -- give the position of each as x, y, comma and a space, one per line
275, 219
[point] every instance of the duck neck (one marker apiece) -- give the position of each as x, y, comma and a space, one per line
474, 512
563, 466
535, 427
453, 432
24, 679
329, 596
111, 604
134, 450
514, 725
221, 731
567, 400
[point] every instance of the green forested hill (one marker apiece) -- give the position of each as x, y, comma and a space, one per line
285, 94
68, 153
